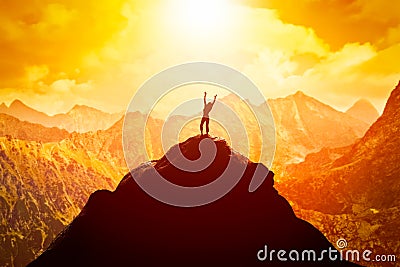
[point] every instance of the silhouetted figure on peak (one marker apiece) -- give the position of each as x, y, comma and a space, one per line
206, 111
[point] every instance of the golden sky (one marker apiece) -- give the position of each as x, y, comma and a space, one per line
58, 54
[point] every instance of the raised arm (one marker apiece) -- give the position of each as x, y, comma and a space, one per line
204, 99
215, 98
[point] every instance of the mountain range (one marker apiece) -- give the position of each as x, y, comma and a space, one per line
13, 127
299, 119
79, 119
80, 163
305, 125
346, 173
358, 184
302, 125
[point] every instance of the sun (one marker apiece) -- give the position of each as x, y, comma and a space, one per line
201, 18
204, 15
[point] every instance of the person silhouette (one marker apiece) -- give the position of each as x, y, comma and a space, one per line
206, 111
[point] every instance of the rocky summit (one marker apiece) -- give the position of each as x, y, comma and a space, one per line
127, 227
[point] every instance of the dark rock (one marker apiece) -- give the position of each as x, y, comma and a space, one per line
127, 227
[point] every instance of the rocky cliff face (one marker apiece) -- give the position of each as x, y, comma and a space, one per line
304, 125
347, 177
84, 119
128, 227
44, 184
47, 175
358, 185
43, 187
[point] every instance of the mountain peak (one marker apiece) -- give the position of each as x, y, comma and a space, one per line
82, 108
301, 96
363, 110
363, 101
190, 149
18, 103
126, 226
374, 157
299, 93
78, 106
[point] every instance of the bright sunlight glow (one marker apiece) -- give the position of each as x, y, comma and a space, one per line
201, 18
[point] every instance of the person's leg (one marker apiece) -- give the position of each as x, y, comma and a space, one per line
201, 125
207, 123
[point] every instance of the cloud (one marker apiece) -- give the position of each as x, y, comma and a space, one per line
69, 86
58, 35
36, 73
339, 22
55, 19
62, 86
335, 50
378, 11
339, 78
343, 61
356, 70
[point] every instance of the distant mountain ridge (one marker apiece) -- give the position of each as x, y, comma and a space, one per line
304, 125
23, 130
313, 122
364, 111
79, 119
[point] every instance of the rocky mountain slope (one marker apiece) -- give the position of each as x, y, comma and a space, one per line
364, 111
127, 226
43, 186
79, 119
348, 177
85, 119
13, 127
47, 175
360, 183
305, 125
25, 146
